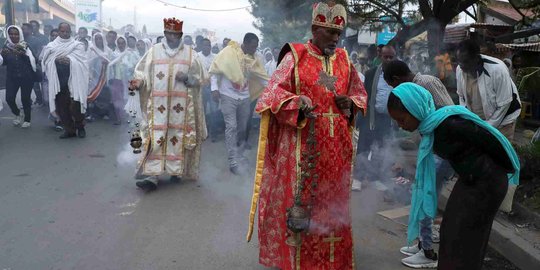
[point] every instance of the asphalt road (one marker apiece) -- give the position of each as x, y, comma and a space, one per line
73, 204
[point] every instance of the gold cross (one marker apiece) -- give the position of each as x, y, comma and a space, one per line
327, 81
331, 115
332, 240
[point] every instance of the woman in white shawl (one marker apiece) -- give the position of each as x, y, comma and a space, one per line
143, 45
21, 73
99, 57
120, 72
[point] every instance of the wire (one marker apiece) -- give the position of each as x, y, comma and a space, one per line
199, 9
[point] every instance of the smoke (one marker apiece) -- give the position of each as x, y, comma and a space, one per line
379, 162
126, 157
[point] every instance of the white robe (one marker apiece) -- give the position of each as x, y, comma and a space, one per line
175, 127
78, 79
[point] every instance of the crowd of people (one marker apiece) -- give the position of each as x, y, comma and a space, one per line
310, 97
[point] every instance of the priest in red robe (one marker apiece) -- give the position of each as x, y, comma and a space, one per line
306, 151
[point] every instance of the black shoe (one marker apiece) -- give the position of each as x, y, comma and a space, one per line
81, 132
67, 135
175, 179
146, 185
235, 170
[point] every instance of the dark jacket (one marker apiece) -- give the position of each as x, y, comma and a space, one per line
470, 149
368, 82
18, 65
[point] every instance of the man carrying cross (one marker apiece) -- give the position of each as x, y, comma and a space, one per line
309, 106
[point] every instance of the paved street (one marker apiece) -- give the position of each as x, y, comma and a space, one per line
74, 205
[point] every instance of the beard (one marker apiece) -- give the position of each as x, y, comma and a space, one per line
329, 51
173, 44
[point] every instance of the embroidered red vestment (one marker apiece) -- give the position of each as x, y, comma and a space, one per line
328, 244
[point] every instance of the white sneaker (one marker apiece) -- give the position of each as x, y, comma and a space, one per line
356, 185
419, 261
25, 125
409, 251
18, 119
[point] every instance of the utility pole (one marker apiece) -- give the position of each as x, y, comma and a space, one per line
10, 12
135, 19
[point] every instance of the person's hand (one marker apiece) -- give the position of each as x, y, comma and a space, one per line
134, 84
215, 96
343, 102
181, 76
62, 60
306, 107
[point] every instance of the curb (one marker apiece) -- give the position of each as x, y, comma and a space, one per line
504, 240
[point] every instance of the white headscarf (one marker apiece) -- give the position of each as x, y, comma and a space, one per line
12, 45
106, 53
148, 43
118, 55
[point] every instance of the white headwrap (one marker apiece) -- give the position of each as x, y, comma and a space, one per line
106, 53
118, 54
12, 45
148, 43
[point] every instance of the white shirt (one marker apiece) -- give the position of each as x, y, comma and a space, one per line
383, 92
495, 87
207, 60
226, 87
270, 67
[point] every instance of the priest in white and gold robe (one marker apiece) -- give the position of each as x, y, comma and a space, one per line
173, 126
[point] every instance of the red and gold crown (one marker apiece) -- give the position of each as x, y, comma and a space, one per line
329, 15
173, 25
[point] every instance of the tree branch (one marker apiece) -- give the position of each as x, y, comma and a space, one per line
451, 9
410, 31
473, 16
425, 8
437, 6
517, 9
389, 11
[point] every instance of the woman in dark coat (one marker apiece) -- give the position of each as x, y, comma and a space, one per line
21, 70
483, 158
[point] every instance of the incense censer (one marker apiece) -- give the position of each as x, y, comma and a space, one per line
136, 142
298, 215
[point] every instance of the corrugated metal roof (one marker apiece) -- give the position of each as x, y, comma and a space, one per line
508, 12
531, 47
456, 33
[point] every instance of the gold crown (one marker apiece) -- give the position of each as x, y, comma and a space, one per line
329, 15
173, 25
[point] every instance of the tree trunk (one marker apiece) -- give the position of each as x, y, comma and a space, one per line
435, 36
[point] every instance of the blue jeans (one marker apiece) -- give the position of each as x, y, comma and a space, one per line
444, 171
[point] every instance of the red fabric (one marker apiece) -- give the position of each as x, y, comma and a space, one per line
330, 213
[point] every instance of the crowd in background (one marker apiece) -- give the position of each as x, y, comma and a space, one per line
110, 57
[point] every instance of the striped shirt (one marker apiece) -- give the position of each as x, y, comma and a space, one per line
436, 88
